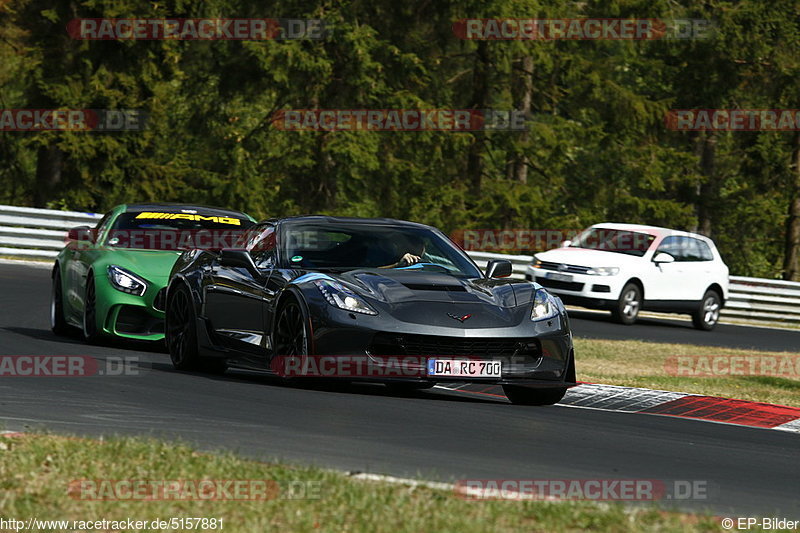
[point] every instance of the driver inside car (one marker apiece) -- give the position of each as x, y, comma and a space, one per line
415, 251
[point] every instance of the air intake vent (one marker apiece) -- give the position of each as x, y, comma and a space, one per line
429, 287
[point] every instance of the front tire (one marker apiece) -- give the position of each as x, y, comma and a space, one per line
58, 323
181, 330
706, 316
629, 304
291, 330
290, 341
91, 333
180, 334
529, 396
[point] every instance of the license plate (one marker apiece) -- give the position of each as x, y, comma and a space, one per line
558, 276
464, 368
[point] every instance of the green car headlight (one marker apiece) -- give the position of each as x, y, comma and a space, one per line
126, 281
544, 306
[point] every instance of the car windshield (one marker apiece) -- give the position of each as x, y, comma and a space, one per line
614, 240
349, 246
179, 229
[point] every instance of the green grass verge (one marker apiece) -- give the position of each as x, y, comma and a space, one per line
644, 364
36, 470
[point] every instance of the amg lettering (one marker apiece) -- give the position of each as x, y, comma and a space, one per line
185, 216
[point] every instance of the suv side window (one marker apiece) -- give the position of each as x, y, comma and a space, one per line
697, 250
671, 246
686, 249
262, 248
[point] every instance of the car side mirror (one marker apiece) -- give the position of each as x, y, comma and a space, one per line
239, 259
499, 268
663, 257
566, 243
80, 234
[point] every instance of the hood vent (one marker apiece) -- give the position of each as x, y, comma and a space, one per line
431, 287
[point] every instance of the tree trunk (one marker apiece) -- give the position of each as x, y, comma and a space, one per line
707, 191
480, 99
521, 163
48, 174
791, 258
322, 197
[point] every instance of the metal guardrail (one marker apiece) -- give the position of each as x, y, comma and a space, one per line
40, 233
763, 299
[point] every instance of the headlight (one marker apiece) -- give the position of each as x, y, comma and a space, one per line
603, 271
544, 306
125, 281
537, 263
340, 296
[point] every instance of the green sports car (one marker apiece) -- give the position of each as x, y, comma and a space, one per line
110, 280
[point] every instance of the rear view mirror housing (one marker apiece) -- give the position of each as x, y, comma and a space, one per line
80, 234
239, 259
663, 257
499, 268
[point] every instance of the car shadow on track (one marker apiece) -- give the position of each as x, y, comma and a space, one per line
44, 335
76, 339
641, 321
345, 387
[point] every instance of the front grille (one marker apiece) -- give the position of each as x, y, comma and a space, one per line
160, 301
432, 345
575, 269
563, 285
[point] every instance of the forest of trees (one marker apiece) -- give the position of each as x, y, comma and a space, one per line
596, 148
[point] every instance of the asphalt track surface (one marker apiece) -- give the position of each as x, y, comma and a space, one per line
434, 435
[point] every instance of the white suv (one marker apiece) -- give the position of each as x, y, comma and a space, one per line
627, 268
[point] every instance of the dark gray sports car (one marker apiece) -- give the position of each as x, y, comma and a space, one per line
367, 299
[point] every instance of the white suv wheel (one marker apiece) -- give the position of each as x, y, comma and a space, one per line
629, 304
707, 315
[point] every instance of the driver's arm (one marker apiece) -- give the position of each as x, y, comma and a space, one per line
406, 260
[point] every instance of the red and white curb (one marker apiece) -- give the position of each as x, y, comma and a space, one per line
666, 403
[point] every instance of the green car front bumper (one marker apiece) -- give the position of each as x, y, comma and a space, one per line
130, 316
